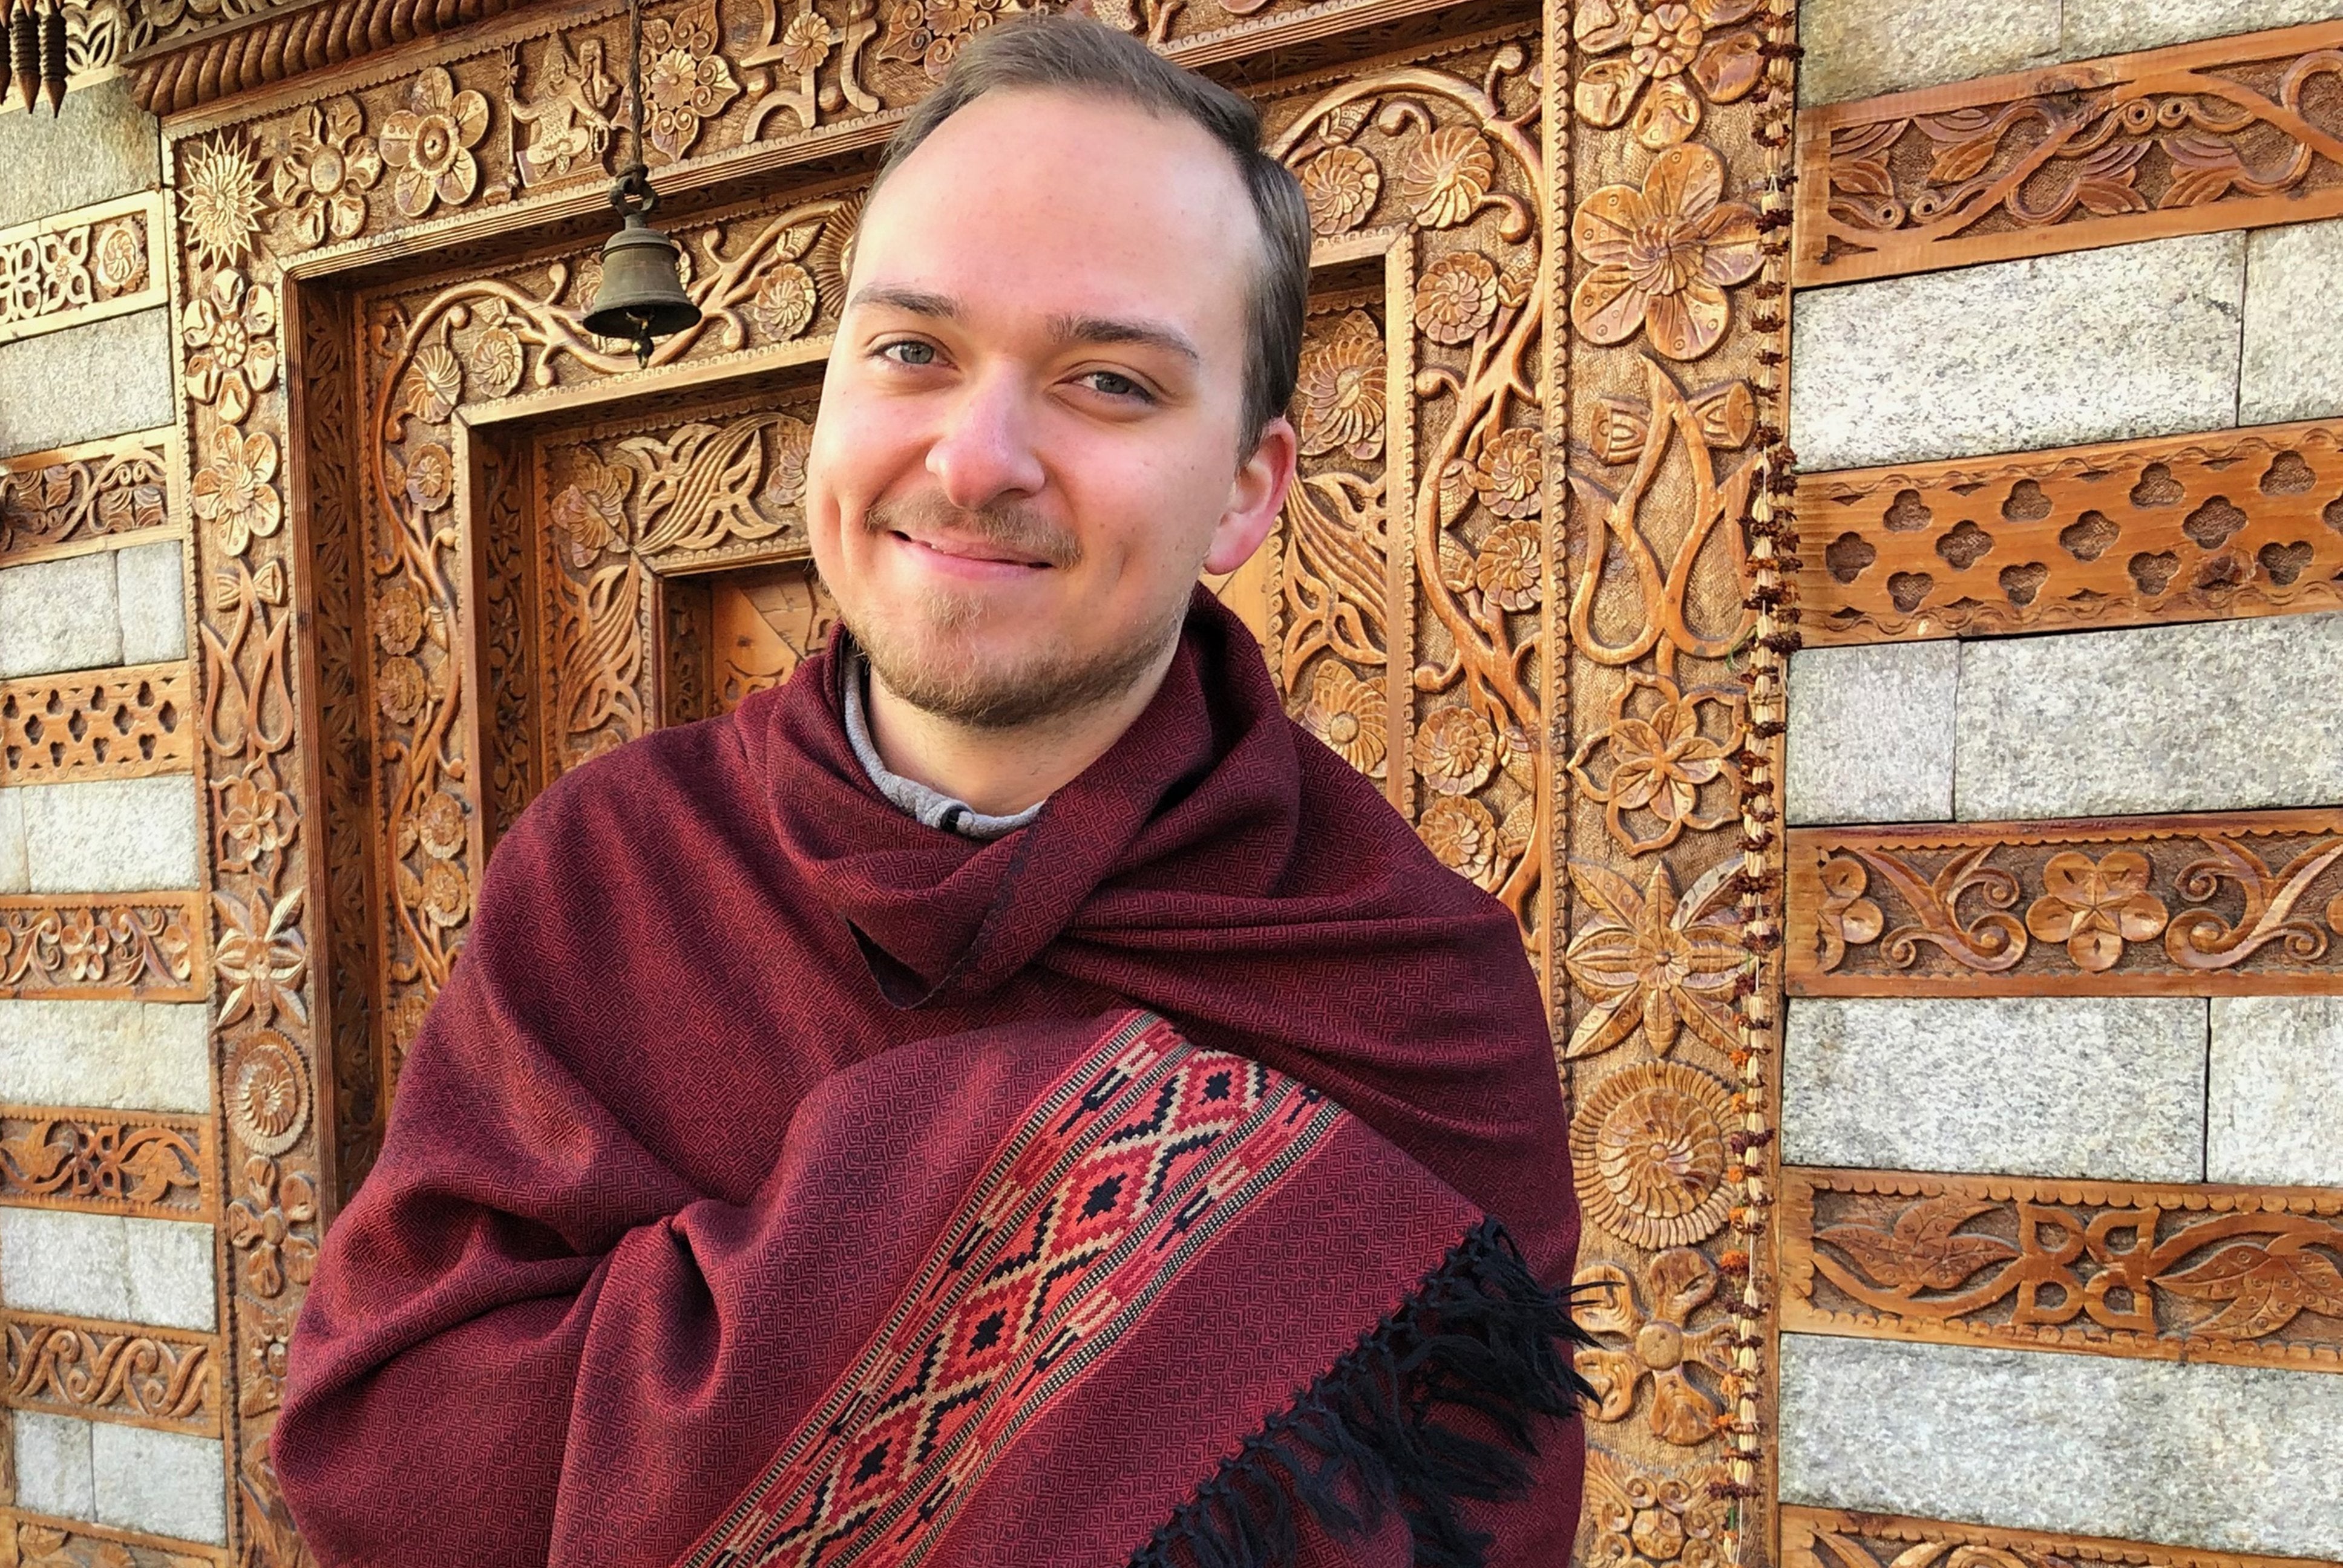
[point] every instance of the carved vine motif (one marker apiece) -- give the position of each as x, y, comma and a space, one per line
121, 724
1673, 627
2204, 1273
79, 266
152, 1167
2175, 905
1828, 1538
2222, 134
2124, 534
166, 1379
142, 945
107, 487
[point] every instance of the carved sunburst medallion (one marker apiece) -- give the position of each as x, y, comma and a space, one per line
1649, 1147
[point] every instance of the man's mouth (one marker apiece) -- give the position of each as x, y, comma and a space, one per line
973, 551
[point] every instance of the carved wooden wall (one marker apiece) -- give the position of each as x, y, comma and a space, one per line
1533, 579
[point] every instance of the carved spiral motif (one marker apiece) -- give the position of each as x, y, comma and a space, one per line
267, 1094
1649, 1147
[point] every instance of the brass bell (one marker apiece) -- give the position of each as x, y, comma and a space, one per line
641, 297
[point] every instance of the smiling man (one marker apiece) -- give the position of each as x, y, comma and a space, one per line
1008, 1096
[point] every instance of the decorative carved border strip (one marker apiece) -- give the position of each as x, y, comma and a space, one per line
2127, 533
126, 723
2233, 133
135, 1373
38, 1541
145, 1164
2203, 1273
81, 266
306, 37
1833, 1538
149, 946
2248, 903
86, 497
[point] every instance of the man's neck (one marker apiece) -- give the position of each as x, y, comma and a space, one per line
1002, 773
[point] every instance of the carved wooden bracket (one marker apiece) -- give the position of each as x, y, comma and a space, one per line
135, 1373
2219, 904
2233, 133
82, 266
145, 1164
77, 498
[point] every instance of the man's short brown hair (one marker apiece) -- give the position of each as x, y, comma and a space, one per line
1076, 54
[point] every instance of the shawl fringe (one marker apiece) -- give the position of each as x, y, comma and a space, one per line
1478, 1334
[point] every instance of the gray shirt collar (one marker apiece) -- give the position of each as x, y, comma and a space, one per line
933, 807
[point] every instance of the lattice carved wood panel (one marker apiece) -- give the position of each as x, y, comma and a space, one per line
2128, 533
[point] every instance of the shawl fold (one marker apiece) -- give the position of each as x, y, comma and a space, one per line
703, 1160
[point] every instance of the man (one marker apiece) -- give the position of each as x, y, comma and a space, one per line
1009, 1096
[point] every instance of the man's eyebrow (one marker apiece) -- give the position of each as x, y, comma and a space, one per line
1109, 329
917, 301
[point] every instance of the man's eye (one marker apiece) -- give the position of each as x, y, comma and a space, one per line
1115, 385
911, 351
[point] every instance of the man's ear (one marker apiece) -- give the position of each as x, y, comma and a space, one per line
1255, 495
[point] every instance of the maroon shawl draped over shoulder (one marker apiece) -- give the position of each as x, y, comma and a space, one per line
777, 1180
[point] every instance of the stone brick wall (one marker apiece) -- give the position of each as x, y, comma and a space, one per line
108, 1247
2145, 1061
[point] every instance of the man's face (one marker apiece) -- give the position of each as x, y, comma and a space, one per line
1029, 443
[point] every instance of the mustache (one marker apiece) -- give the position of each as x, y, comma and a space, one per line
1009, 526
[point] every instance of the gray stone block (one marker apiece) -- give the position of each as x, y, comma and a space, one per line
1871, 733
2236, 1459
53, 1465
2294, 334
2105, 1087
112, 835
103, 146
15, 877
100, 379
1859, 48
152, 599
162, 1482
2274, 1101
2051, 351
119, 1054
2223, 715
59, 615
2094, 27
104, 1266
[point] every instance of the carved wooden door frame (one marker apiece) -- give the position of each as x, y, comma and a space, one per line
1579, 568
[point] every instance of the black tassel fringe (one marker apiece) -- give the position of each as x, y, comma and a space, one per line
1479, 1334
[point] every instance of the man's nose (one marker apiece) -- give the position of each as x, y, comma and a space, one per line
986, 450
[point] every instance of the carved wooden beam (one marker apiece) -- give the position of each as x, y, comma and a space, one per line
82, 266
135, 1373
38, 1538
128, 723
1832, 1538
2107, 1267
76, 498
147, 946
2126, 533
147, 1165
2219, 904
2233, 133
289, 40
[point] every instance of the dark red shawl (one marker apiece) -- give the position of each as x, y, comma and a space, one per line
740, 1091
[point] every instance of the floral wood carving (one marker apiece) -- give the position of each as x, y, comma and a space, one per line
147, 1376
2224, 134
1828, 1538
94, 491
2128, 533
2170, 1273
114, 724
147, 1165
1657, 1518
147, 946
80, 266
2171, 906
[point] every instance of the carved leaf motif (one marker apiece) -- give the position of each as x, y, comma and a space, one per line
2266, 1285
1958, 161
1923, 1252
